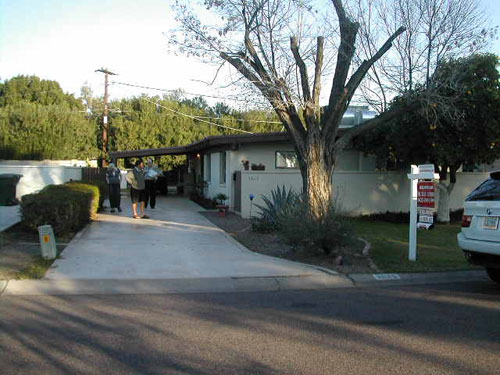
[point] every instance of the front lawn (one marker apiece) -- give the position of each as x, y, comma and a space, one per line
437, 249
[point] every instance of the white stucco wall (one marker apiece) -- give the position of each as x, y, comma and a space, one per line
36, 177
357, 192
214, 184
360, 189
265, 153
68, 163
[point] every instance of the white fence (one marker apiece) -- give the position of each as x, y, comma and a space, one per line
36, 177
357, 192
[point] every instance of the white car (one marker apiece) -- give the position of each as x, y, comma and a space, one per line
480, 235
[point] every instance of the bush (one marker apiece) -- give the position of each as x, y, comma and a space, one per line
456, 215
206, 203
332, 233
278, 203
103, 189
67, 208
95, 192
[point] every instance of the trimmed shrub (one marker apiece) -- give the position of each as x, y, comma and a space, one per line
94, 190
67, 208
332, 233
103, 189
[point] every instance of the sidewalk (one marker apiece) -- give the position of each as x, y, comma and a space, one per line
9, 215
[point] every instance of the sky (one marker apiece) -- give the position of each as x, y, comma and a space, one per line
68, 40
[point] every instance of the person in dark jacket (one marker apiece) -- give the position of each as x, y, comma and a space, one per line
137, 190
113, 178
151, 173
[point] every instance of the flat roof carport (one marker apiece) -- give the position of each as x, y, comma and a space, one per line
206, 143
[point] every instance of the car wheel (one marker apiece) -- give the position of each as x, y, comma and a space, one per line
494, 274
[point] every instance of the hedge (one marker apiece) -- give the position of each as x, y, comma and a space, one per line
103, 189
67, 208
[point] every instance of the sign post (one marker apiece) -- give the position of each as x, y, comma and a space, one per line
421, 199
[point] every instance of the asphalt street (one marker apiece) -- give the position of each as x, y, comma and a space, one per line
419, 329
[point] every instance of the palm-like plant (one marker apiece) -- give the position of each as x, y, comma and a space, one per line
279, 202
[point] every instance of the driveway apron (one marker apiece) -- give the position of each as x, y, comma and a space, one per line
177, 242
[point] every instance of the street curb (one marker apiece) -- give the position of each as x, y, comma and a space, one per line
173, 286
383, 279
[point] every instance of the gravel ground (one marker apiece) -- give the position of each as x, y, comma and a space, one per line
272, 245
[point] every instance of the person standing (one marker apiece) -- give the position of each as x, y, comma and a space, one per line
137, 190
151, 175
113, 178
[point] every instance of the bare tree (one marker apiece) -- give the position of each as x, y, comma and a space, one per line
269, 43
436, 30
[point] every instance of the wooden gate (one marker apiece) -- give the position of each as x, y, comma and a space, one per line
237, 191
94, 174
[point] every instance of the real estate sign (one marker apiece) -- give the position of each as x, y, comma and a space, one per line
426, 194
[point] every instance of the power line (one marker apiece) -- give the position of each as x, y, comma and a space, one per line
242, 120
173, 91
194, 118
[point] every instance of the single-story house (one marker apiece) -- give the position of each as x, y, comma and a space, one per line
241, 165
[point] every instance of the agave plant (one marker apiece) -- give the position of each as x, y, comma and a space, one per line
279, 202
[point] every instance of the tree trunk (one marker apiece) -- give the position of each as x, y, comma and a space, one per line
443, 214
317, 179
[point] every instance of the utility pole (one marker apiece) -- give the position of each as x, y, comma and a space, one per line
105, 127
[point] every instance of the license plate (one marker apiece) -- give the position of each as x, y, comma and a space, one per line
490, 223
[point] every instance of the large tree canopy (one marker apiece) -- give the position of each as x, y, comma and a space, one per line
39, 121
35, 90
463, 127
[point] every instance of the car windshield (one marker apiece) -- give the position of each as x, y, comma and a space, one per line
489, 190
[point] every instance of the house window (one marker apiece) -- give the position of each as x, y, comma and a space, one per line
222, 168
208, 168
286, 159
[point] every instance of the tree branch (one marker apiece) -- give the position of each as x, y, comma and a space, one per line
304, 79
257, 64
287, 114
318, 69
360, 73
348, 32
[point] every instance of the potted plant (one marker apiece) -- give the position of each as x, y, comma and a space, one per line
258, 167
246, 164
222, 207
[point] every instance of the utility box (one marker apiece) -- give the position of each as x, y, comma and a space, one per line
47, 242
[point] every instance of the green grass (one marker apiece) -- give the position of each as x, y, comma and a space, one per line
437, 249
36, 270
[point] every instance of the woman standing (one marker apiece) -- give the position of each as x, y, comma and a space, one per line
113, 178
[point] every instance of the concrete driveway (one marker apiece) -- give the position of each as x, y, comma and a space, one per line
177, 242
